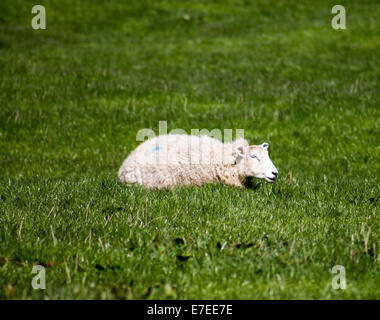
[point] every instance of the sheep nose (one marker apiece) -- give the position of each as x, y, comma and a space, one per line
275, 173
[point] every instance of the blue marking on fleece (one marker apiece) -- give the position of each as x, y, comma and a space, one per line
158, 148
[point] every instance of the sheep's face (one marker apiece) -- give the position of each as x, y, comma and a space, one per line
254, 161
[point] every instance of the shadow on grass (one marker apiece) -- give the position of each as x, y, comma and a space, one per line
252, 183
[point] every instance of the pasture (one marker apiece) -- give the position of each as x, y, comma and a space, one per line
73, 97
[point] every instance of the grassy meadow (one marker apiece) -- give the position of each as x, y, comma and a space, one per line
73, 96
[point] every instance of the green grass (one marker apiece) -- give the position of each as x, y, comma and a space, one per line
73, 96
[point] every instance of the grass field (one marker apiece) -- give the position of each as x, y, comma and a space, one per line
73, 96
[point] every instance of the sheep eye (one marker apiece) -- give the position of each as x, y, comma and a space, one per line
254, 156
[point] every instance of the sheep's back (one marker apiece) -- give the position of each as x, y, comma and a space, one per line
177, 150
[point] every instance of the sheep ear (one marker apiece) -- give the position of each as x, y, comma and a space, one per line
240, 151
265, 145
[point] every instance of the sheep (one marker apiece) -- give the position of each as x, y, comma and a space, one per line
179, 159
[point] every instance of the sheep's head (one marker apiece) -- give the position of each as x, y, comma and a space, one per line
254, 161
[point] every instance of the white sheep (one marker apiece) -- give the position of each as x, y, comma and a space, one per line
173, 160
